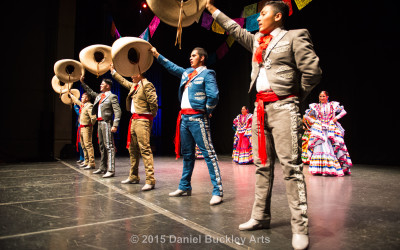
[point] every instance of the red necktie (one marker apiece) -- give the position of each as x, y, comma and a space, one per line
102, 97
190, 77
263, 41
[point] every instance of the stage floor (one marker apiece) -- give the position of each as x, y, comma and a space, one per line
58, 205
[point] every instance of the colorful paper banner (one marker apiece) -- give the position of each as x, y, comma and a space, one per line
301, 3
206, 21
251, 22
217, 28
153, 25
249, 10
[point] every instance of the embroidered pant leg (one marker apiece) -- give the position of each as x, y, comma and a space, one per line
106, 147
199, 128
101, 130
284, 123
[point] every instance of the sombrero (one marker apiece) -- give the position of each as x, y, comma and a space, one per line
169, 10
60, 87
131, 56
66, 99
96, 58
68, 70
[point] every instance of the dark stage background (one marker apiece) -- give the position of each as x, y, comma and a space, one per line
355, 41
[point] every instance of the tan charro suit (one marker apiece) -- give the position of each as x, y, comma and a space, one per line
292, 69
144, 98
86, 120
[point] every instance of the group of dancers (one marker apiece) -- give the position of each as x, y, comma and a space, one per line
285, 68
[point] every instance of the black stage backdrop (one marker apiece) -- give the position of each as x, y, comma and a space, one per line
355, 41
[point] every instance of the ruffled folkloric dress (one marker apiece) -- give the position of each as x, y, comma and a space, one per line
327, 152
242, 145
305, 138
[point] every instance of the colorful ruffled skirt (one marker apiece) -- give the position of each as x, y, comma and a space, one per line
242, 149
327, 151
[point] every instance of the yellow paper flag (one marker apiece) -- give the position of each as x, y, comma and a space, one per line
217, 28
302, 3
230, 40
249, 10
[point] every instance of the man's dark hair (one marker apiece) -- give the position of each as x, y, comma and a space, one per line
202, 52
108, 81
88, 96
279, 7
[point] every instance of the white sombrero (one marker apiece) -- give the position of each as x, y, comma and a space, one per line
131, 56
68, 70
96, 59
67, 100
169, 10
60, 87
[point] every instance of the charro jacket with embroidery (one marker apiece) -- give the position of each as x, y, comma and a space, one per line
109, 108
203, 90
144, 98
291, 64
85, 116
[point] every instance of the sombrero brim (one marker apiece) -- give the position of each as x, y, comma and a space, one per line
96, 58
62, 66
66, 99
168, 11
123, 64
58, 86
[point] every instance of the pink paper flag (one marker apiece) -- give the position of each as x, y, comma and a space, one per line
153, 25
222, 50
240, 21
206, 21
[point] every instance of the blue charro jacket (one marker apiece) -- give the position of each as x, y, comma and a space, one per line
203, 90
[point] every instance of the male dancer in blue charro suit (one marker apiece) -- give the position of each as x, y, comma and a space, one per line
198, 94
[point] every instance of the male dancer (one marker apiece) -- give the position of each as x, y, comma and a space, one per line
198, 94
85, 130
285, 69
105, 106
142, 103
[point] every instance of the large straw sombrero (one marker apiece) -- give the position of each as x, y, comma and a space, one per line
68, 70
96, 58
66, 99
169, 10
60, 87
131, 56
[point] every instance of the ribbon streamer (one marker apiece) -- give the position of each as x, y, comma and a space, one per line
179, 29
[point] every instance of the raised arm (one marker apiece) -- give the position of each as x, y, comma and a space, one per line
74, 99
167, 64
125, 83
244, 37
88, 89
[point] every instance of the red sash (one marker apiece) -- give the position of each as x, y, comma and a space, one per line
136, 116
177, 139
78, 135
264, 97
